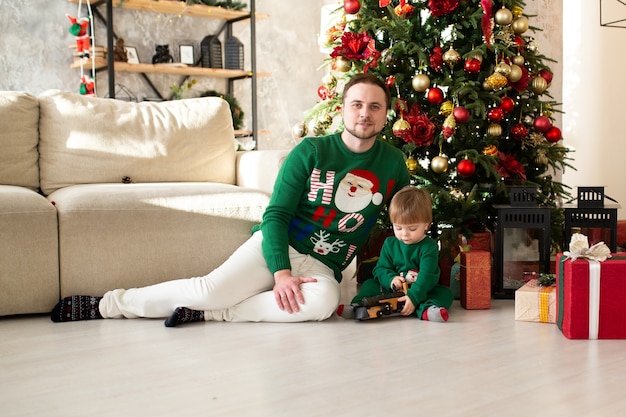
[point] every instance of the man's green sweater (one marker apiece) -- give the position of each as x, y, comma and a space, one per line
326, 200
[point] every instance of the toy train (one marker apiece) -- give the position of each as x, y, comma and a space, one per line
381, 305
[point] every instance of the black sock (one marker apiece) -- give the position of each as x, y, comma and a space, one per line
184, 315
76, 307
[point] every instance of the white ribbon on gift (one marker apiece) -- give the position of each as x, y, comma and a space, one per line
579, 248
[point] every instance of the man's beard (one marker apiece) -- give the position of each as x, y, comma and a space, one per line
363, 135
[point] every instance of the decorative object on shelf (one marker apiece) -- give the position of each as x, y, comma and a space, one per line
235, 108
233, 55
82, 29
188, 53
120, 53
593, 215
211, 52
131, 54
522, 248
162, 55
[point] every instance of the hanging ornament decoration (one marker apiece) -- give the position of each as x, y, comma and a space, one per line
518, 60
411, 165
494, 130
342, 64
515, 73
490, 150
420, 83
439, 164
401, 127
351, 6
553, 135
546, 75
496, 81
503, 16
538, 85
451, 57
503, 68
507, 104
461, 114
541, 158
446, 108
542, 124
323, 92
532, 46
390, 81
495, 115
449, 126
520, 25
435, 96
517, 11
519, 131
299, 130
329, 81
466, 168
403, 9
472, 66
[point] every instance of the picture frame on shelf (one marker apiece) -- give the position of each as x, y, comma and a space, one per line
188, 52
131, 53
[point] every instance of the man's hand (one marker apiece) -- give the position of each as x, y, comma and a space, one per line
287, 290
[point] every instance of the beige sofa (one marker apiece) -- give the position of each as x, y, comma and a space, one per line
97, 194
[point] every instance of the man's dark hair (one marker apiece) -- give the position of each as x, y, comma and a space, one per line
367, 79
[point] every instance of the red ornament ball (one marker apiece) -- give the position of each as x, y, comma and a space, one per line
519, 131
553, 134
435, 96
542, 124
507, 105
461, 114
472, 66
495, 115
351, 6
322, 92
390, 81
466, 168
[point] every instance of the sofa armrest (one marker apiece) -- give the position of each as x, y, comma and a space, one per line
258, 169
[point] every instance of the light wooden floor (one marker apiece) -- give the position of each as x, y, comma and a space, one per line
480, 363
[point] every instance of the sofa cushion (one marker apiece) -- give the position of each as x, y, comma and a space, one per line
87, 140
19, 135
132, 235
29, 255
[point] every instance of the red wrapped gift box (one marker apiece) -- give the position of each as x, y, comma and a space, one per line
475, 280
590, 305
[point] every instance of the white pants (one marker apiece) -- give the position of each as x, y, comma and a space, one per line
239, 290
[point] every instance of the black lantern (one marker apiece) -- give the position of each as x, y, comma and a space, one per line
591, 213
233, 54
522, 242
211, 52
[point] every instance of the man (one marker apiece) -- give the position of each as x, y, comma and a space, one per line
326, 199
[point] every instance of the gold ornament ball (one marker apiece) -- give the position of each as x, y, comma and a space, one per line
420, 83
446, 108
532, 46
494, 130
538, 85
520, 25
503, 17
439, 164
342, 64
503, 68
496, 81
517, 11
411, 165
329, 81
490, 150
299, 130
518, 60
515, 74
400, 127
451, 57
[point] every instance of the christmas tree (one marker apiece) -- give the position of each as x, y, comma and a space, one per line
471, 106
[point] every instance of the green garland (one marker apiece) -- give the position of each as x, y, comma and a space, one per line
235, 109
